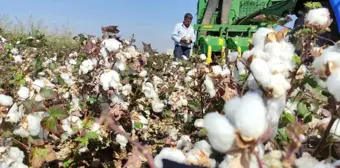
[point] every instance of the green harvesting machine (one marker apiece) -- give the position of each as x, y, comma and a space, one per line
227, 25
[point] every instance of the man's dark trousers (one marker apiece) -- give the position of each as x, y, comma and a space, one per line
181, 50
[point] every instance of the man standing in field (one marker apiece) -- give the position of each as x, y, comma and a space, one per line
184, 36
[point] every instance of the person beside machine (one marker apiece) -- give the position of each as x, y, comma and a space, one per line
183, 36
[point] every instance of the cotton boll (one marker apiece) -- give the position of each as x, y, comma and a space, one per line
23, 92
18, 59
209, 84
18, 165
261, 71
67, 79
251, 106
198, 157
110, 79
184, 141
203, 145
220, 132
143, 73
230, 108
122, 140
203, 57
120, 64
217, 69
111, 44
34, 126
172, 154
86, 66
127, 89
232, 56
191, 73
149, 91
275, 108
199, 123
333, 84
157, 105
279, 85
69, 124
259, 37
15, 113
187, 79
241, 68
13, 154
6, 100
21, 132
318, 17
247, 54
251, 82
225, 71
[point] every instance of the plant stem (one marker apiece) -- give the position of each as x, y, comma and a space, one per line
324, 137
140, 147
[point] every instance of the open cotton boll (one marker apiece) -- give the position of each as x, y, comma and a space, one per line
240, 67
127, 89
23, 92
232, 56
6, 100
149, 90
333, 84
203, 145
279, 85
251, 82
220, 132
225, 71
69, 124
209, 85
217, 70
34, 126
122, 140
259, 37
111, 44
157, 105
67, 79
275, 108
183, 142
110, 79
318, 16
251, 107
192, 72
18, 165
319, 62
12, 155
143, 73
86, 66
22, 132
172, 154
230, 108
203, 57
17, 59
199, 123
261, 71
120, 64
15, 113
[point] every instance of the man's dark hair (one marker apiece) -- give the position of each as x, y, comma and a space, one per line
188, 16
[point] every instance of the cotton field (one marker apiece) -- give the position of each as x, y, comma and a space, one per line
105, 103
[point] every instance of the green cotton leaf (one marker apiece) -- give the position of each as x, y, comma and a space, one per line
33, 106
50, 124
296, 59
47, 93
83, 141
8, 46
138, 125
52, 66
91, 135
58, 112
313, 5
307, 118
41, 155
282, 135
6, 134
286, 119
68, 163
311, 82
302, 109
19, 76
203, 132
22, 82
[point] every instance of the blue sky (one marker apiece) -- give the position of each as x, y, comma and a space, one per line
152, 21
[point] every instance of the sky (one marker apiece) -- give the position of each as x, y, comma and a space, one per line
152, 21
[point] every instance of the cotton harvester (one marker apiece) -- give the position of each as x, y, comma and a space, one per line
226, 25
